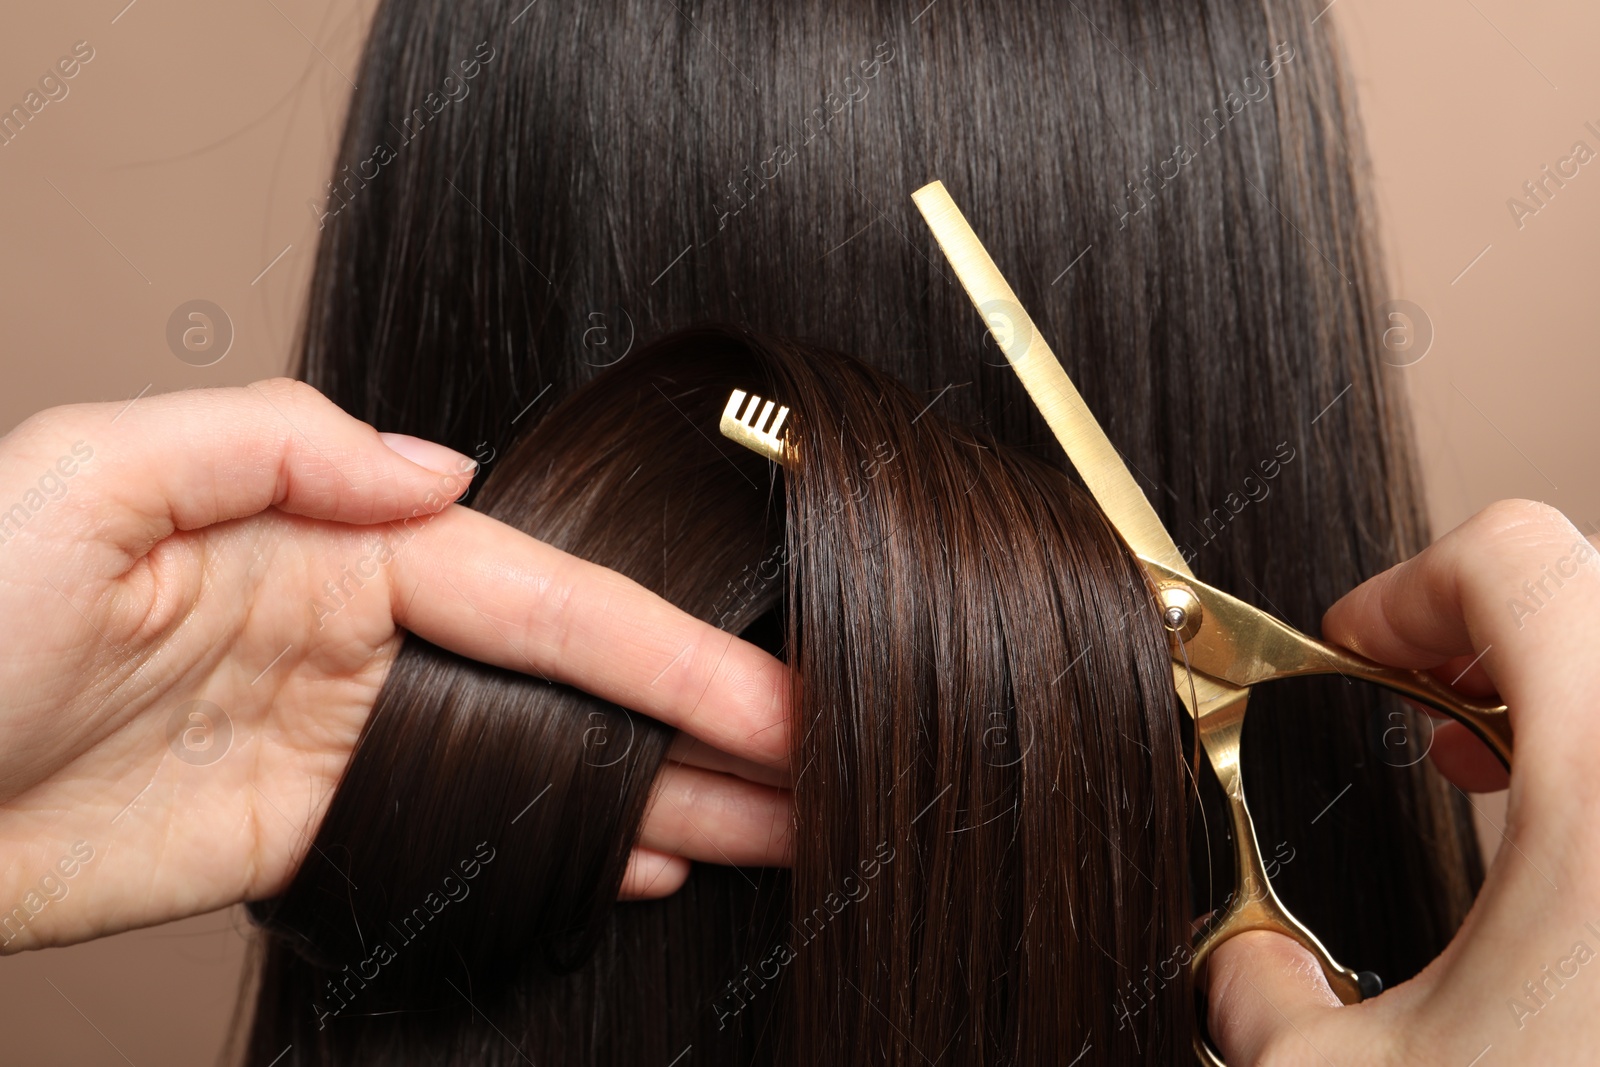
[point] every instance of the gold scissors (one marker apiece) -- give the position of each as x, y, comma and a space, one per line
1221, 645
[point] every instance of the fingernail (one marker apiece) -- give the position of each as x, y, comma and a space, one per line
435, 457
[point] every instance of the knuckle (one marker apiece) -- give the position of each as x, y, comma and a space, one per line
292, 393
679, 680
1521, 519
45, 429
554, 614
688, 793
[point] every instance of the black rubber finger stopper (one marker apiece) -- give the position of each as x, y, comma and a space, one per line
1369, 982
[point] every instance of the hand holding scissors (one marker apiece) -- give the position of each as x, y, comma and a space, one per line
1517, 983
1223, 646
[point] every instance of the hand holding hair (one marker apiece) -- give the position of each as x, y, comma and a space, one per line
200, 597
1515, 977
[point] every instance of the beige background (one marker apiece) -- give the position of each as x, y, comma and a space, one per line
179, 166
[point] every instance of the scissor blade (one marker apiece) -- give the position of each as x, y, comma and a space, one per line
1047, 383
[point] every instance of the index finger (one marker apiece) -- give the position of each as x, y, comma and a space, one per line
478, 587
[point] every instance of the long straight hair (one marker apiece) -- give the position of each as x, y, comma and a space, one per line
989, 804
1174, 189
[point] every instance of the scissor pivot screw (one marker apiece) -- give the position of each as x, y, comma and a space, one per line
1180, 611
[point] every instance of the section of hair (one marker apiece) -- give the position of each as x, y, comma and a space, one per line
990, 793
459, 758
989, 711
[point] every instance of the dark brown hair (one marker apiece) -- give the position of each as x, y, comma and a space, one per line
989, 795
1173, 189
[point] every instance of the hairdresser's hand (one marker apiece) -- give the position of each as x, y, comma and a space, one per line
1454, 750
1521, 979
219, 546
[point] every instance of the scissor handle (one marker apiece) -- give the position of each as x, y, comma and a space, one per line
1243, 646
1489, 721
1254, 905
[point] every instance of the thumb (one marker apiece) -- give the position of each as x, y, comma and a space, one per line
187, 460
1262, 991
